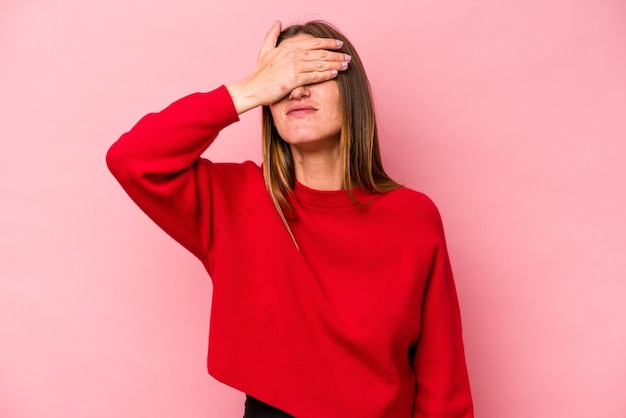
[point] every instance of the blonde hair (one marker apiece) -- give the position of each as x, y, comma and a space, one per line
358, 139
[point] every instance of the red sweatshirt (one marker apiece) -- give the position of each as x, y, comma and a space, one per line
363, 321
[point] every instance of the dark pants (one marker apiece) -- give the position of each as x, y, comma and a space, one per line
257, 409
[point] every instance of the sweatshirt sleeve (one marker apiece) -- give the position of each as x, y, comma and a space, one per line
442, 387
158, 163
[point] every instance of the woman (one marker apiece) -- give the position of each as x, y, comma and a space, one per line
332, 291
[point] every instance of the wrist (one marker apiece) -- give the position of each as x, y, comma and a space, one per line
242, 97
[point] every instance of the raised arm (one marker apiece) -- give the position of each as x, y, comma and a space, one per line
158, 162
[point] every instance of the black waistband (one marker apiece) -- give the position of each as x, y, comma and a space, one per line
257, 409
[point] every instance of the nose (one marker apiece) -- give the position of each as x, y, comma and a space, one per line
299, 93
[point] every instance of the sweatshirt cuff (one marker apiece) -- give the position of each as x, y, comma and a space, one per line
219, 104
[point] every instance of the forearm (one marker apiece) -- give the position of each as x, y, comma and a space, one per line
169, 141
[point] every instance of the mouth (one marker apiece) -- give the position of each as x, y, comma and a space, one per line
299, 110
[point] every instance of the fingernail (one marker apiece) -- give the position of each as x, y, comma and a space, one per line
347, 58
339, 43
334, 73
344, 64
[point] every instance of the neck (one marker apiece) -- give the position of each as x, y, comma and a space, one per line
320, 169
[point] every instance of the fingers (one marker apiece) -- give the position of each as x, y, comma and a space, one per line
316, 65
324, 65
322, 56
310, 43
315, 77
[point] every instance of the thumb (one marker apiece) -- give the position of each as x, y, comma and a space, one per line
272, 37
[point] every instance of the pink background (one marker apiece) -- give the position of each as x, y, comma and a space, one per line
510, 115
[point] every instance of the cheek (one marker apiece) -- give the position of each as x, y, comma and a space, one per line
338, 117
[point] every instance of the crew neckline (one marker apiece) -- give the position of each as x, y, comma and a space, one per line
330, 198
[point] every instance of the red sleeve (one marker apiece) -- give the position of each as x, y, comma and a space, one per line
442, 388
158, 164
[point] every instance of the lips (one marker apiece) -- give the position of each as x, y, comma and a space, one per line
300, 110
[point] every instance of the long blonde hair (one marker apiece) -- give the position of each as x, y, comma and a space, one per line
358, 139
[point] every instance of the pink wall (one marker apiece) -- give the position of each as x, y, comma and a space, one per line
511, 115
